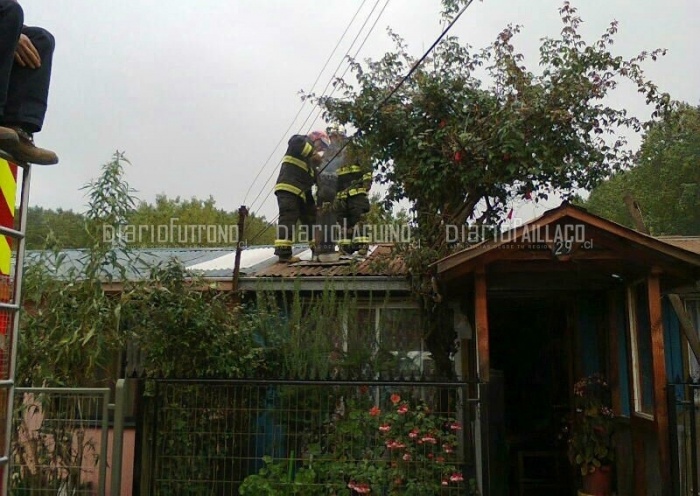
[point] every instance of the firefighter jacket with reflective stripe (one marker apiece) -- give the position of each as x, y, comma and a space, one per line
353, 180
297, 174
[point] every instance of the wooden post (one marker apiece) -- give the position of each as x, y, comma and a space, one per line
659, 367
482, 323
242, 213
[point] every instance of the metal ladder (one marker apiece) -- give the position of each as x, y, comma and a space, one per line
10, 296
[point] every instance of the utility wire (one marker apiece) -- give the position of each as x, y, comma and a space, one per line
347, 68
386, 99
272, 173
347, 28
347, 52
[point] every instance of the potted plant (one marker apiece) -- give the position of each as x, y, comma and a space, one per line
590, 442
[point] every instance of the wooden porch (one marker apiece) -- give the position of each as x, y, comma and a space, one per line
564, 296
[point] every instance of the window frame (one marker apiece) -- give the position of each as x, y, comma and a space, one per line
638, 407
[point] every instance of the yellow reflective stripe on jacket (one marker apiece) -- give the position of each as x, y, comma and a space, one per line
288, 159
283, 243
367, 176
351, 192
289, 189
349, 169
361, 239
306, 151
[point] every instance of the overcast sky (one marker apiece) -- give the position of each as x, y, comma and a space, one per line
198, 94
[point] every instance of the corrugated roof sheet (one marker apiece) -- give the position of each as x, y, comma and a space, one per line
137, 266
256, 261
381, 261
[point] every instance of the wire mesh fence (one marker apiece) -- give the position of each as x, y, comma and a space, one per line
59, 442
684, 422
311, 437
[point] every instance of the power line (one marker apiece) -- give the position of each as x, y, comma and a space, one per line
332, 78
403, 80
386, 99
347, 52
304, 102
354, 57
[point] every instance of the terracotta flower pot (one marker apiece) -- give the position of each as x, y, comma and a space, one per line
598, 482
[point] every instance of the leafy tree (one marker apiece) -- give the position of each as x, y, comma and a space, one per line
460, 148
47, 228
665, 182
71, 329
184, 214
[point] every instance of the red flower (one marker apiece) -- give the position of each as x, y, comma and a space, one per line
374, 411
455, 426
413, 434
385, 428
362, 487
395, 398
402, 409
429, 439
456, 477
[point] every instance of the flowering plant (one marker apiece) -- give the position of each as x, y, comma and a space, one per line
591, 431
399, 447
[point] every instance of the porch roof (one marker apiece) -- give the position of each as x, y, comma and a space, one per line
615, 244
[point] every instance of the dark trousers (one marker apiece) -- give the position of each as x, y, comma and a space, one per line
24, 92
352, 209
293, 208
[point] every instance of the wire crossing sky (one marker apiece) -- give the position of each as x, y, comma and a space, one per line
198, 94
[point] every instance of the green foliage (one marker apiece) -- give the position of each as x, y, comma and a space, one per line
48, 228
67, 229
71, 328
460, 148
403, 448
187, 329
665, 180
457, 149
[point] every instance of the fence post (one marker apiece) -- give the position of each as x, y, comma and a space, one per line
485, 438
673, 441
118, 438
693, 437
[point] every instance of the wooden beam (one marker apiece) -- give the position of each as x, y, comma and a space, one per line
659, 368
481, 321
686, 325
636, 213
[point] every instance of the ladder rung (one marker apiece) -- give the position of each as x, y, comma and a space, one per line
4, 460
6, 383
6, 231
9, 306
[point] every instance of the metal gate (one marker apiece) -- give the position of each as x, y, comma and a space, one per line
60, 441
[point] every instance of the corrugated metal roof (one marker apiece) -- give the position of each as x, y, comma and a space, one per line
256, 261
381, 261
137, 264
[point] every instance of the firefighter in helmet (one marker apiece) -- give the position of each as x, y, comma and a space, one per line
293, 189
352, 202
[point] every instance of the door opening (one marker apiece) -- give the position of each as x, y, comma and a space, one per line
529, 341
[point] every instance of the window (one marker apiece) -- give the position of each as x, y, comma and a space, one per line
640, 341
394, 330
